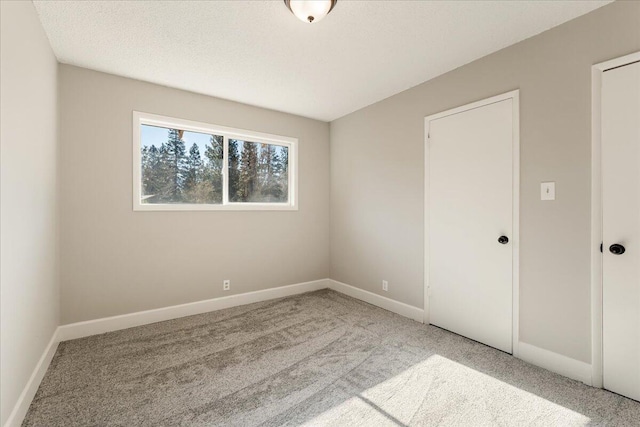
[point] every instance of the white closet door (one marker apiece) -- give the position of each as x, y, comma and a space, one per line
621, 229
470, 217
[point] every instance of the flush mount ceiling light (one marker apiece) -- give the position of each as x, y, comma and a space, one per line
310, 10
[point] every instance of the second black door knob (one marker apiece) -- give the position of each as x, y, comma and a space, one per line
616, 249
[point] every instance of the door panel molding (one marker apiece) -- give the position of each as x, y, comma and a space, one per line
515, 238
596, 211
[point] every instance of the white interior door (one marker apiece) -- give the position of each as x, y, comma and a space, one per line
621, 227
470, 219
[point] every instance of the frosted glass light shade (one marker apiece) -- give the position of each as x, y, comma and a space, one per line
310, 10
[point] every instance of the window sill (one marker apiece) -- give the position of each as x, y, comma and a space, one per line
228, 207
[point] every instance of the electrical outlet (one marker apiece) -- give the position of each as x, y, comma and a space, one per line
226, 285
385, 285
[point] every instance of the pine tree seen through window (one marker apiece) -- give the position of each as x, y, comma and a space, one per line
171, 173
257, 172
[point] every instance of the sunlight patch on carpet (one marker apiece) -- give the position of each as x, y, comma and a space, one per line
439, 391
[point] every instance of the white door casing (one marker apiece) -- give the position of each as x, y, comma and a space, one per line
471, 199
620, 127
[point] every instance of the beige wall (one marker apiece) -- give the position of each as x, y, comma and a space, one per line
116, 261
29, 287
377, 174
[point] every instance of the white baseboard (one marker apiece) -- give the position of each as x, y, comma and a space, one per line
397, 307
24, 401
554, 362
125, 321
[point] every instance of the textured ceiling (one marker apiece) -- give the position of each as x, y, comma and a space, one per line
258, 53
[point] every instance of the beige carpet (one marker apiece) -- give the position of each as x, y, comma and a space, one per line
317, 359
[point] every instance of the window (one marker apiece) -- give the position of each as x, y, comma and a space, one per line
185, 165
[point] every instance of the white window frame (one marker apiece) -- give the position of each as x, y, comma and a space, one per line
140, 118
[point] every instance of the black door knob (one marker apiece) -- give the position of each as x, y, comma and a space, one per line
503, 239
616, 249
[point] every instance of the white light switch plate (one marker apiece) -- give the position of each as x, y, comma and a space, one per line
548, 191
